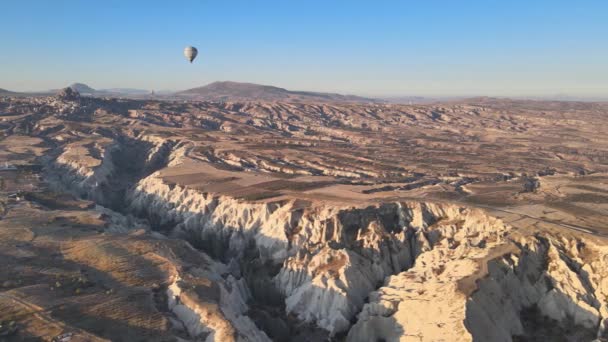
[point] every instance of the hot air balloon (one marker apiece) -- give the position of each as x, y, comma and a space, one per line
190, 52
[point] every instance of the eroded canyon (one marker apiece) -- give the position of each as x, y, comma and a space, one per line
144, 220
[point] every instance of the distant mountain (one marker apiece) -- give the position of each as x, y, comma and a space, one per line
235, 91
6, 92
83, 88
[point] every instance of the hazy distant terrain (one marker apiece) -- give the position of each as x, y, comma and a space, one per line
84, 89
220, 92
251, 92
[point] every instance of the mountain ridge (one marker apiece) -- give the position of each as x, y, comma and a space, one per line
244, 91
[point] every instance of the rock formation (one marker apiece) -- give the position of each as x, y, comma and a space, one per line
158, 220
68, 94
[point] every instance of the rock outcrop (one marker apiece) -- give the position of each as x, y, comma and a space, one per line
330, 257
68, 94
532, 287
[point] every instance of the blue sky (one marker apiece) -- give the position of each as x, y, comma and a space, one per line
362, 47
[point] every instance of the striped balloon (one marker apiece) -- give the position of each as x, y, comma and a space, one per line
190, 52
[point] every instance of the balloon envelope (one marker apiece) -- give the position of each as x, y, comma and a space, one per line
190, 52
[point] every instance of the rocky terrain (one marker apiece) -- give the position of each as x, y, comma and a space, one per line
144, 220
